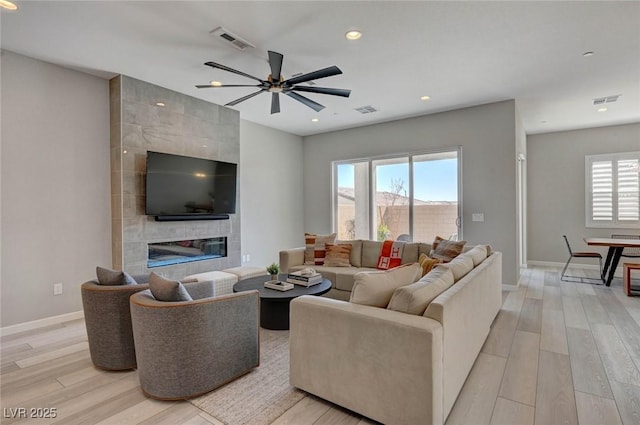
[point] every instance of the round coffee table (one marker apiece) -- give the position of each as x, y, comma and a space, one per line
274, 304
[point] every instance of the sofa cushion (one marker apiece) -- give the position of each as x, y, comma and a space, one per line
337, 255
370, 253
415, 298
478, 254
167, 290
113, 277
410, 252
446, 250
345, 276
314, 252
375, 288
427, 263
424, 248
459, 266
355, 258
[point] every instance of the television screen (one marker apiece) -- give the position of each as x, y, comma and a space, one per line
181, 185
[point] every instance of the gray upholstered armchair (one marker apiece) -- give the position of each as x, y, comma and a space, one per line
108, 323
188, 348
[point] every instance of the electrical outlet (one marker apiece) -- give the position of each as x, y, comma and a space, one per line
57, 289
248, 257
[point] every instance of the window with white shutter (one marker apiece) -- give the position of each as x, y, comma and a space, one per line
613, 190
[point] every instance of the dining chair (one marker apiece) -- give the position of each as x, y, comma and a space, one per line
629, 252
581, 254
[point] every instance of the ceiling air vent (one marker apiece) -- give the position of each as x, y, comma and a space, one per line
366, 109
231, 38
606, 99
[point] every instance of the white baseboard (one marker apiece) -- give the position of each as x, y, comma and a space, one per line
554, 264
40, 323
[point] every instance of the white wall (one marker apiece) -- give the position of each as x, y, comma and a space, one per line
271, 197
556, 187
55, 186
487, 135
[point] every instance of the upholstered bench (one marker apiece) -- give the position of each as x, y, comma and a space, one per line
224, 280
245, 272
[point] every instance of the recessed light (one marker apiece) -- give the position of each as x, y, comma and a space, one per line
124, 151
587, 54
5, 4
602, 109
425, 98
216, 83
204, 146
160, 104
353, 35
314, 120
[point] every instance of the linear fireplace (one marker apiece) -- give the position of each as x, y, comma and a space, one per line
177, 252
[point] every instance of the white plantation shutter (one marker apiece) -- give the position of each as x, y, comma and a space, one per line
628, 190
613, 190
602, 190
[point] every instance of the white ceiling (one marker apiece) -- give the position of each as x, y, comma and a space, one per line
459, 53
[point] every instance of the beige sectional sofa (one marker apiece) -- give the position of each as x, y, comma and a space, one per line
392, 366
364, 257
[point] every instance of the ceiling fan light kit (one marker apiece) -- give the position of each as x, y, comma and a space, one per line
276, 84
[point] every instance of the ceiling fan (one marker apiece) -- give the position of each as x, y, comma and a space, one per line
276, 84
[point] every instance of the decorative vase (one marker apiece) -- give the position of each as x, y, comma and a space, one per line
274, 277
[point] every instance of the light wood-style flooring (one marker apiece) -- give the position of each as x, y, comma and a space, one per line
558, 353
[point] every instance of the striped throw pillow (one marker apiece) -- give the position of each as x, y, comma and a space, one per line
315, 250
337, 255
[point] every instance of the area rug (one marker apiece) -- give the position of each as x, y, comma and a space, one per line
262, 395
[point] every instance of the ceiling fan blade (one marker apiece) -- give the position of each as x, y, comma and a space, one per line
275, 62
275, 103
242, 99
323, 90
235, 71
310, 103
209, 86
321, 73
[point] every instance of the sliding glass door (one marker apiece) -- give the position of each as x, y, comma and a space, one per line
409, 197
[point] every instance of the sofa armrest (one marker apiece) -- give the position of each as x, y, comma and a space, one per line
466, 311
291, 257
383, 364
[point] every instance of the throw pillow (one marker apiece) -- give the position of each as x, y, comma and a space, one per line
375, 288
446, 250
315, 251
113, 277
415, 298
337, 255
478, 254
427, 263
459, 266
167, 290
390, 255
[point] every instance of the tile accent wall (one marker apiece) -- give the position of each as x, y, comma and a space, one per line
183, 126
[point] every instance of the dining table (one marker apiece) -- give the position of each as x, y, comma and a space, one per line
616, 246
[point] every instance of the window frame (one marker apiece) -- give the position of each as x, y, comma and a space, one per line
615, 222
410, 155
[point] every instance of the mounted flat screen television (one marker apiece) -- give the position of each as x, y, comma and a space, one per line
185, 188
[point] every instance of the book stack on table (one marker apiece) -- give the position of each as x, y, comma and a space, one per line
303, 279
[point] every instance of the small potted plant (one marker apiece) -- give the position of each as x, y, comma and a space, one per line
273, 270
